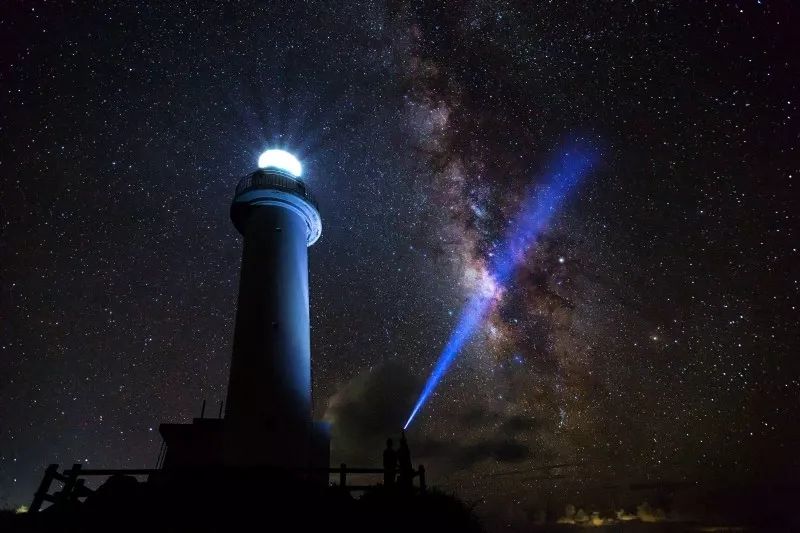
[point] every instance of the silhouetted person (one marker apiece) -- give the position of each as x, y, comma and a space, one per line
389, 464
404, 460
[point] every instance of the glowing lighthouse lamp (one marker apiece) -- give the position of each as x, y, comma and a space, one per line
281, 160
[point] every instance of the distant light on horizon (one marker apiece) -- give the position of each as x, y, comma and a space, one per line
281, 160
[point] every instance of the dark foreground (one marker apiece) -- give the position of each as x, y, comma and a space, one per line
238, 502
252, 501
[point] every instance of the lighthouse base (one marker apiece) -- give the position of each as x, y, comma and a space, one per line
217, 443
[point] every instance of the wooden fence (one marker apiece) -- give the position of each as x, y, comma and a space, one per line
74, 488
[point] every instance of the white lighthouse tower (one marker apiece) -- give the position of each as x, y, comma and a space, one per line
268, 413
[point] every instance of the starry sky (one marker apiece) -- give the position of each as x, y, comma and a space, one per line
649, 335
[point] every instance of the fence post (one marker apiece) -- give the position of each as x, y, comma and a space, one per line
70, 483
343, 475
81, 490
44, 487
162, 452
422, 484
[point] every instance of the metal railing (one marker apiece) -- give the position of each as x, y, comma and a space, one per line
275, 179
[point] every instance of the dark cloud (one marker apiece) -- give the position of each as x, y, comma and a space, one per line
478, 415
464, 455
504, 451
367, 409
374, 404
518, 424
507, 426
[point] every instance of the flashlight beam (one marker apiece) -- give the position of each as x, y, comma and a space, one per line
537, 210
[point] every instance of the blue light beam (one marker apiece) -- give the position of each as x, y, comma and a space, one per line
565, 172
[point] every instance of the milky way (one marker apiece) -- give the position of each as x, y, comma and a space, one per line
564, 174
648, 336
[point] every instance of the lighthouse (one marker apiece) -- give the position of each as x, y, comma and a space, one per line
268, 411
270, 377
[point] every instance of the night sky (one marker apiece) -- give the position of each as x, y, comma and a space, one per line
649, 336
